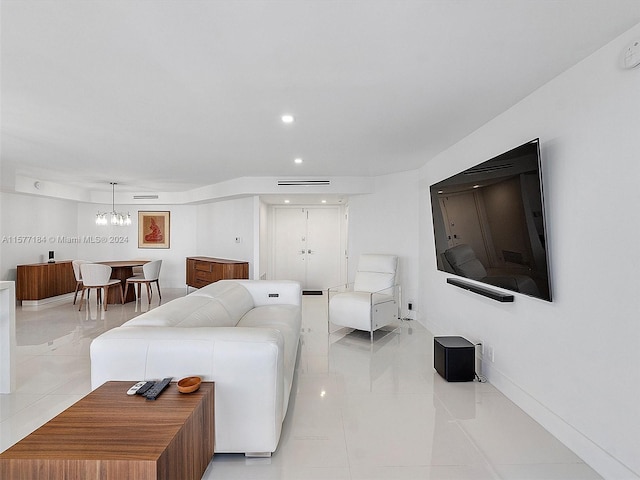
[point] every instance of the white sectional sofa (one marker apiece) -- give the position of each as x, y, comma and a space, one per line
241, 334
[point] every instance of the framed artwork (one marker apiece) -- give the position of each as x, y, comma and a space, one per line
154, 229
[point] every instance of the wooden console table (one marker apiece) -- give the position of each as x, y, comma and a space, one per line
202, 271
109, 435
38, 281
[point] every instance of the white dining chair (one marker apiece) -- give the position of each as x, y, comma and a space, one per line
150, 274
76, 273
95, 275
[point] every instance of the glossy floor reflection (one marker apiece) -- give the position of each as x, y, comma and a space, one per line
358, 411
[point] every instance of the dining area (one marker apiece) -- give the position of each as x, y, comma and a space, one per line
114, 281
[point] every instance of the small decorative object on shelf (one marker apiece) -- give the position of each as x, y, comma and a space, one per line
189, 384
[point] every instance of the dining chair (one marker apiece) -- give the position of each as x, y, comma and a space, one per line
76, 272
95, 275
150, 274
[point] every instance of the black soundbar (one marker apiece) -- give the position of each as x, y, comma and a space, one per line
493, 294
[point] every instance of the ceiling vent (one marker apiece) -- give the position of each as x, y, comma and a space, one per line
304, 183
145, 197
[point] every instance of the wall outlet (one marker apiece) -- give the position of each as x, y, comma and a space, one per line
491, 354
238, 239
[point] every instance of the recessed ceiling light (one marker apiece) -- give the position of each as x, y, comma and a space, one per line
297, 160
324, 201
287, 118
286, 201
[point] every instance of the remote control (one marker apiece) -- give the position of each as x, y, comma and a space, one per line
143, 389
157, 389
135, 388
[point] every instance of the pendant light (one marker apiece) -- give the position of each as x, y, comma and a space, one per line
117, 219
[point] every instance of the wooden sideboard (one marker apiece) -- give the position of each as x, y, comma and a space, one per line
202, 271
43, 280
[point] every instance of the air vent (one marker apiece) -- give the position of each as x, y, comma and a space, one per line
304, 183
145, 197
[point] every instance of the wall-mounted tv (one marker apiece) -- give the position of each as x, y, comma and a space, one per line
489, 226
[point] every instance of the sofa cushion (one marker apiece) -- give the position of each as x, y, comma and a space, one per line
235, 298
186, 312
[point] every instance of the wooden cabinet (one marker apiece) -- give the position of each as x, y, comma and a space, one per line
202, 271
43, 280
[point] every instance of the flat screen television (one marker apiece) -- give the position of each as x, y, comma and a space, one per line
489, 224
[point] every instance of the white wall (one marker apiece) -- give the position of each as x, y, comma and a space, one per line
263, 264
220, 223
386, 221
30, 227
572, 363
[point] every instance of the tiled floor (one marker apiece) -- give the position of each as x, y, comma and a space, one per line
358, 411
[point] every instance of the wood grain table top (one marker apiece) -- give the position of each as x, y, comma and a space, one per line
124, 263
108, 424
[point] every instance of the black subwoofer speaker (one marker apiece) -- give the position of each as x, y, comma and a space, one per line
454, 358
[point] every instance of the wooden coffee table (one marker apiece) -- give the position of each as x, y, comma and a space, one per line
109, 435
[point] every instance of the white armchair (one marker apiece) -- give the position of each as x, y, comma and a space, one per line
372, 301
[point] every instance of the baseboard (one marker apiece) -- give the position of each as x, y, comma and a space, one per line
57, 299
591, 453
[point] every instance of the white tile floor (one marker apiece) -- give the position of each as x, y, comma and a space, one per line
358, 411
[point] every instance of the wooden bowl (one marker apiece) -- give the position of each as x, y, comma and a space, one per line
189, 384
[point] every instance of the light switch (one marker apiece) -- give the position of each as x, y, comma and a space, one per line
631, 55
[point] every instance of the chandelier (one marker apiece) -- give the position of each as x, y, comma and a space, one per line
117, 218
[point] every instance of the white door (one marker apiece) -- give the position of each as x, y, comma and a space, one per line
290, 244
307, 246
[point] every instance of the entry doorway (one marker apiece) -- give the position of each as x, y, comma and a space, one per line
309, 245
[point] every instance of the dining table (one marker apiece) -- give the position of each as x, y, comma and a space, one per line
121, 270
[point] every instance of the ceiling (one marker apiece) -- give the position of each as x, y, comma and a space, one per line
175, 95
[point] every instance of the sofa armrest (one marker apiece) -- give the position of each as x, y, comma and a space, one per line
245, 363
